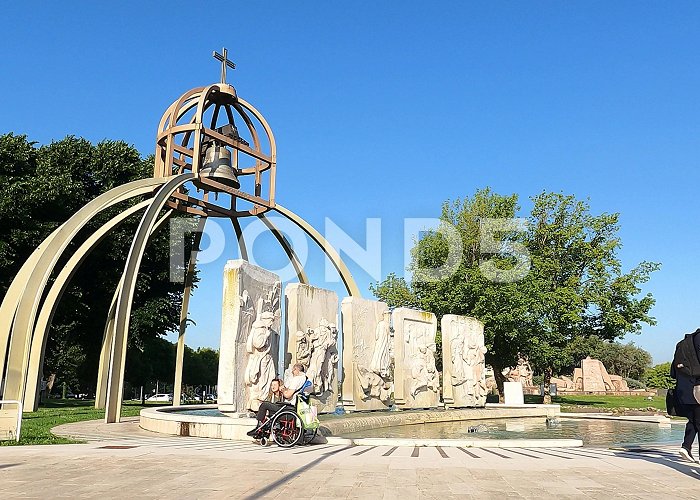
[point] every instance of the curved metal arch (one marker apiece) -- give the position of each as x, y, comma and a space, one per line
23, 325
50, 303
332, 254
8, 308
298, 268
106, 350
189, 276
243, 249
118, 358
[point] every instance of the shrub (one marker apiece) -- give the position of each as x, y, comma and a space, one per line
658, 377
634, 384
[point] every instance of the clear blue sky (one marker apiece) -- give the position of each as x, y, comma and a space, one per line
385, 109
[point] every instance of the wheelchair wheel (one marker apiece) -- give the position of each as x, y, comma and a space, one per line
287, 429
309, 435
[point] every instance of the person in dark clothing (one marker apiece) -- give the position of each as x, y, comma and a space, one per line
686, 370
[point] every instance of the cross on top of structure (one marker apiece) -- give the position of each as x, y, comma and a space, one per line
224, 62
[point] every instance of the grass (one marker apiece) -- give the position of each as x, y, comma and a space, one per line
612, 403
36, 426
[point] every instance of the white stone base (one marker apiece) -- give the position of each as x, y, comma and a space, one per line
167, 420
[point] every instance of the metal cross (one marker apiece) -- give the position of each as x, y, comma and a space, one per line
224, 62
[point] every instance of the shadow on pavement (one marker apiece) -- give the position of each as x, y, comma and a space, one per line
670, 460
276, 484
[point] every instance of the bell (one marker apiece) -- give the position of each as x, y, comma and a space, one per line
217, 166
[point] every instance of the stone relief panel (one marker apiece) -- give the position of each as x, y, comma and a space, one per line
250, 340
463, 361
312, 339
368, 354
417, 383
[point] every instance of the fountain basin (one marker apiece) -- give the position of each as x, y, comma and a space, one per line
207, 421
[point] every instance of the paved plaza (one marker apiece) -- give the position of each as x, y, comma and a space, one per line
123, 461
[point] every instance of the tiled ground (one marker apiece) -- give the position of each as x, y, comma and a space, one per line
130, 463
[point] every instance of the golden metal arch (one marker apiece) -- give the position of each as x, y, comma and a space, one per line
27, 309
291, 254
108, 334
118, 358
48, 306
330, 252
189, 276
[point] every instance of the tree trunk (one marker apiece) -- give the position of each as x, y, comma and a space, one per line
500, 378
547, 380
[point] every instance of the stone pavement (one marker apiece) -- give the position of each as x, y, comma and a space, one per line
123, 461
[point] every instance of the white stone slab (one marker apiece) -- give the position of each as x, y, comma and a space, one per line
416, 380
312, 339
250, 326
513, 393
463, 363
368, 354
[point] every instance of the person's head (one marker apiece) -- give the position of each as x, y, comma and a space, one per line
275, 385
297, 369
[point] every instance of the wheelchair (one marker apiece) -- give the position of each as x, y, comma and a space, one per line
285, 427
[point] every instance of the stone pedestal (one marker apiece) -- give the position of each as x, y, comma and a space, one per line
368, 355
312, 339
513, 393
416, 380
250, 326
463, 363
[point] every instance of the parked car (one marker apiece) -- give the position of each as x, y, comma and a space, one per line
161, 398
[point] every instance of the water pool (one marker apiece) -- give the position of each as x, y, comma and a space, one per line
591, 432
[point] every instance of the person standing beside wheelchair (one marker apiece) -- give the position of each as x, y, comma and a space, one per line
686, 397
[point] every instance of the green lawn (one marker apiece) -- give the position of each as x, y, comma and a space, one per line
36, 426
572, 403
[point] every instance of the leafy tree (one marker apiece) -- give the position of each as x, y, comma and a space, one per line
501, 306
659, 377
574, 296
43, 187
626, 360
578, 281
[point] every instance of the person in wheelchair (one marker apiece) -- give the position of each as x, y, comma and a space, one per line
291, 388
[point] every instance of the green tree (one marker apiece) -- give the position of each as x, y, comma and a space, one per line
501, 306
574, 296
578, 282
43, 187
626, 360
659, 377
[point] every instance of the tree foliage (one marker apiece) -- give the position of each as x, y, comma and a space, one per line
659, 377
42, 187
575, 289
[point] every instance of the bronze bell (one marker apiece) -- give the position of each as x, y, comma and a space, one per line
217, 165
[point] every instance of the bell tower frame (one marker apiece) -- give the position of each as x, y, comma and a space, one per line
188, 123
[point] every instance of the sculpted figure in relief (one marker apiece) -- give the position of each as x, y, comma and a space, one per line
317, 350
260, 366
376, 379
476, 360
421, 359
468, 359
260, 369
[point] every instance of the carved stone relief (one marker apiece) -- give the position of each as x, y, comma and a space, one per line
416, 378
312, 339
464, 364
368, 354
249, 336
